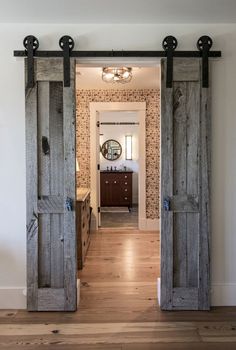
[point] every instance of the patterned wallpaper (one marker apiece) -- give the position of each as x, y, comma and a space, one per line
152, 99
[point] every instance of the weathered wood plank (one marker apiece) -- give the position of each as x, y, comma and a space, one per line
193, 135
57, 182
185, 70
184, 203
48, 69
31, 195
43, 185
178, 201
46, 198
166, 191
51, 205
51, 299
205, 215
189, 203
186, 298
70, 243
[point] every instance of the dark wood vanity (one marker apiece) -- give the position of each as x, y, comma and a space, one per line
116, 188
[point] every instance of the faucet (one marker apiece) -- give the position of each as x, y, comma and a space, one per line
111, 168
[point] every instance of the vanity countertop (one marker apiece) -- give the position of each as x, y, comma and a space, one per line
81, 193
116, 171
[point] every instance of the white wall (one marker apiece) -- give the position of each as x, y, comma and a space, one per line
118, 132
98, 37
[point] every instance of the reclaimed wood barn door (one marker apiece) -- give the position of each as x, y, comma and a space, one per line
185, 173
50, 166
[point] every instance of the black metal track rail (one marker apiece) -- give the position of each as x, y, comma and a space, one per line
49, 54
169, 45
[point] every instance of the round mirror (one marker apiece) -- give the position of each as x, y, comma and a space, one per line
111, 150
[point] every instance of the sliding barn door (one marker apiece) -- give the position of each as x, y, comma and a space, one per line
50, 157
185, 172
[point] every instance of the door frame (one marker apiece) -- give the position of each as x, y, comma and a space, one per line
95, 109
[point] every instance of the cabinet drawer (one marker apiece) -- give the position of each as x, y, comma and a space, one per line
83, 229
126, 200
126, 177
126, 190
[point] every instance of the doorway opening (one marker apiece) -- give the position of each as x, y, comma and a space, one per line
118, 162
119, 169
118, 185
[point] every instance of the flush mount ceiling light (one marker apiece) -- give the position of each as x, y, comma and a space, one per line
117, 75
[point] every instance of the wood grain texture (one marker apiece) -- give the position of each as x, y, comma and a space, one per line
44, 186
193, 175
57, 182
70, 242
184, 202
166, 192
51, 298
185, 70
179, 200
48, 69
51, 205
51, 243
185, 183
119, 310
31, 195
205, 218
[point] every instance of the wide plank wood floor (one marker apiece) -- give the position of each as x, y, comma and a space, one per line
118, 308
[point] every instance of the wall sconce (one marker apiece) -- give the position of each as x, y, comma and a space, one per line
128, 147
77, 165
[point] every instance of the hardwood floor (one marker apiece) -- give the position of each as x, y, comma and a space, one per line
118, 308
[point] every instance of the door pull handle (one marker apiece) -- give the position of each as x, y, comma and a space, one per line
69, 204
166, 204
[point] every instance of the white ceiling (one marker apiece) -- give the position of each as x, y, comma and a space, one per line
143, 78
118, 11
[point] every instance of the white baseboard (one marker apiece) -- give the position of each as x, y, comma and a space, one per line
149, 224
223, 294
12, 297
15, 297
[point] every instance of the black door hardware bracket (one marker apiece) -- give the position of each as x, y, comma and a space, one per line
31, 44
204, 45
67, 44
169, 45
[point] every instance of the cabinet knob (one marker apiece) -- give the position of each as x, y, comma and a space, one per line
107, 182
114, 182
126, 198
125, 183
125, 176
126, 190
